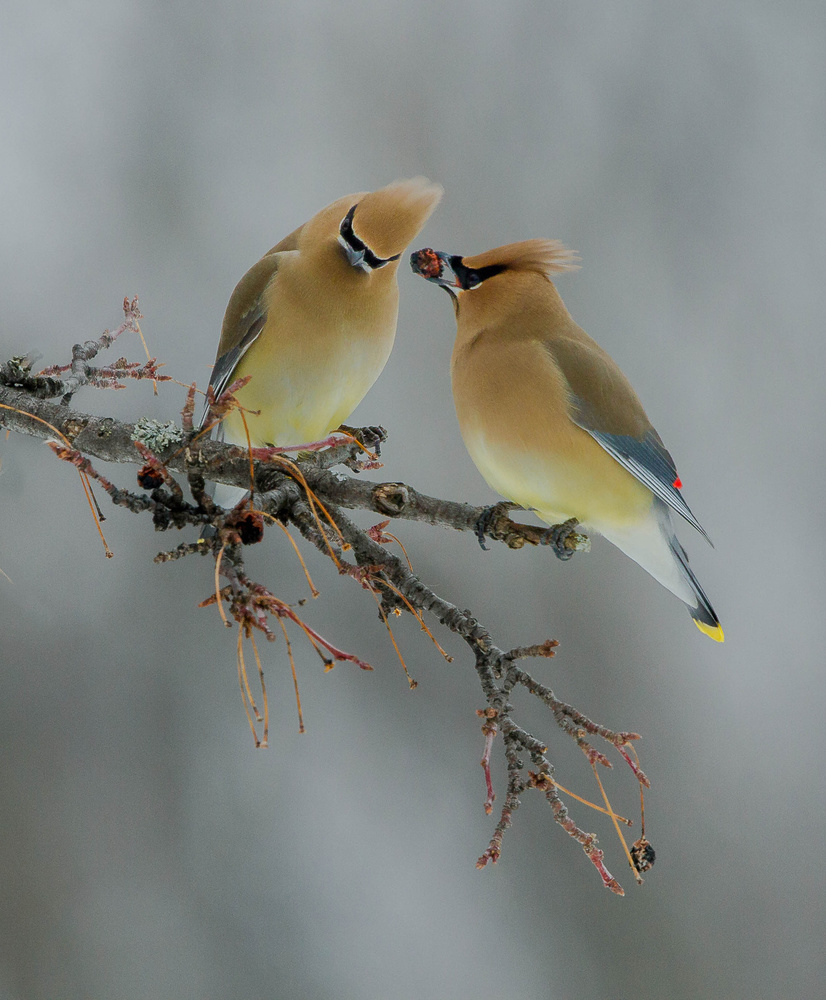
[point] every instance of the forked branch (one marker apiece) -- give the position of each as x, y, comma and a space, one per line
309, 494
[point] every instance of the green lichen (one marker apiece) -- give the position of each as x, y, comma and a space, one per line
155, 436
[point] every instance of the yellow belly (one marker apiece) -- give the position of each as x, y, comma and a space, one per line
574, 478
513, 411
303, 391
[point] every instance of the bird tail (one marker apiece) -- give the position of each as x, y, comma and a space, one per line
702, 613
654, 546
699, 606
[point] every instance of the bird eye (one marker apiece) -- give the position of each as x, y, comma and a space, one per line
472, 279
346, 227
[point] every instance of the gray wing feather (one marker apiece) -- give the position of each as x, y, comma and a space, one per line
224, 366
246, 315
648, 460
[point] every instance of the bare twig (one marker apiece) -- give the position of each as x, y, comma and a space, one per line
310, 494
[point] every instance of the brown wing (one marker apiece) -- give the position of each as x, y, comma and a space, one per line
605, 398
604, 404
243, 321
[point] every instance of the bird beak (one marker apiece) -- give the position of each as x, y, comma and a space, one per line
355, 258
435, 266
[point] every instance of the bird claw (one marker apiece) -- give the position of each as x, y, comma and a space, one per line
487, 519
371, 437
565, 539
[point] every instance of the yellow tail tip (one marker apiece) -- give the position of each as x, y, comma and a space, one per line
714, 632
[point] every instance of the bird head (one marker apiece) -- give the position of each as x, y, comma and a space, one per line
377, 226
452, 271
449, 269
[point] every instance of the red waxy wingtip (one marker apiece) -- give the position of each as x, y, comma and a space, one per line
678, 483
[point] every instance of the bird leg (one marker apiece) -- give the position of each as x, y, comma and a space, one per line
486, 523
371, 437
565, 540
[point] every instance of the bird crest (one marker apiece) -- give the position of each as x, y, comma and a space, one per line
388, 219
545, 257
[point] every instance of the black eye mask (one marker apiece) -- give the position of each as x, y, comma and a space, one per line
469, 277
358, 253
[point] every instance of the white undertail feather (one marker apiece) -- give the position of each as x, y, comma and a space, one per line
653, 545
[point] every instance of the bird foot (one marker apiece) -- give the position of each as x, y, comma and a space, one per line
486, 522
371, 437
565, 540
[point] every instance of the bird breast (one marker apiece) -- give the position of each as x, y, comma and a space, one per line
512, 403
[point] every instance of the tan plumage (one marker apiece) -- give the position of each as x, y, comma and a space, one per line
548, 417
314, 320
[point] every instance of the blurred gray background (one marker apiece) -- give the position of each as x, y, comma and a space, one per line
146, 848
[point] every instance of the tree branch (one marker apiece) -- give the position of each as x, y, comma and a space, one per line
309, 493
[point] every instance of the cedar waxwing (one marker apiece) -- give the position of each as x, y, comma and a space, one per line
313, 322
550, 420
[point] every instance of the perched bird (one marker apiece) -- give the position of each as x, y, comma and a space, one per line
313, 322
550, 420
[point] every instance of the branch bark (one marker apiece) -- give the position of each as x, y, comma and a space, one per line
310, 494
